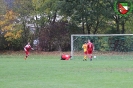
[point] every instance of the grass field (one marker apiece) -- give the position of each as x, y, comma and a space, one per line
48, 71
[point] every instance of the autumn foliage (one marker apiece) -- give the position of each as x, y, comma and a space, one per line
9, 28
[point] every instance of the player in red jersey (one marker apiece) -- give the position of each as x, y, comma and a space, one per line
90, 48
65, 57
27, 48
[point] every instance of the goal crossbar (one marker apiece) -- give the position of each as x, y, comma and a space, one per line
100, 34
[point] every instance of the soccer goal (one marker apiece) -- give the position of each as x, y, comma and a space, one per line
106, 45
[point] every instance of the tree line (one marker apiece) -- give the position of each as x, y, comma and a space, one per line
55, 20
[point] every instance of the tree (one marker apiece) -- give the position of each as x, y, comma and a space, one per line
25, 10
2, 7
11, 31
88, 14
59, 39
120, 21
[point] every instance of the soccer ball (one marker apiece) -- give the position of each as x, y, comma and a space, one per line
94, 56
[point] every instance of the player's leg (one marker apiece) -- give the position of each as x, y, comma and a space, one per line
27, 54
85, 56
90, 55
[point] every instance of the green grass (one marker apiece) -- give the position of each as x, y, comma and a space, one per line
40, 71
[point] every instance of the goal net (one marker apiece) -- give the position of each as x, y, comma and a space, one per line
106, 45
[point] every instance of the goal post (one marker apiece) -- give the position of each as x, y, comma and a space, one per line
104, 43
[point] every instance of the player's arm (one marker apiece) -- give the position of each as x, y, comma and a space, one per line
31, 48
25, 49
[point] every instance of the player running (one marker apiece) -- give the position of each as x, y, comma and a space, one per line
84, 46
27, 48
90, 48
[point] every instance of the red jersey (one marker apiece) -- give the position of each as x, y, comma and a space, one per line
90, 46
27, 48
65, 57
